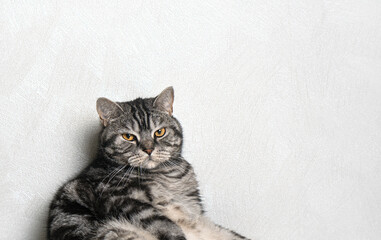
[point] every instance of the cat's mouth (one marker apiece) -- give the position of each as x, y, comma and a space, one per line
149, 161
144, 161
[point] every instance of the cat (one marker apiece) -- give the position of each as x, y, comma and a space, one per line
139, 187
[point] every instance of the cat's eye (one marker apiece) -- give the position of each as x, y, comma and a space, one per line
128, 137
160, 132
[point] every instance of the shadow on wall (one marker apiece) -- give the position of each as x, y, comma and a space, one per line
90, 150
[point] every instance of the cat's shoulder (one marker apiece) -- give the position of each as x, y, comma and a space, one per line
78, 188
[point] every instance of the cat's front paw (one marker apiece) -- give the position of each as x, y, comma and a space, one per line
119, 235
130, 236
111, 236
171, 237
106, 235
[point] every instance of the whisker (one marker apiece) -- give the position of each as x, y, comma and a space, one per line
176, 164
122, 178
139, 174
109, 174
120, 169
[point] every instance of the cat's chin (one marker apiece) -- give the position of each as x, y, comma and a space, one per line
150, 164
147, 163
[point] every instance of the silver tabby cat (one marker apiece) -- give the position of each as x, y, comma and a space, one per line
139, 187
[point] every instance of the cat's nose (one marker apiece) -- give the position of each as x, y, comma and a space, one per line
149, 151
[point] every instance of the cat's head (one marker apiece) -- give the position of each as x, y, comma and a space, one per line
142, 133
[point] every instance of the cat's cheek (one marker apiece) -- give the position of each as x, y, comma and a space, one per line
109, 150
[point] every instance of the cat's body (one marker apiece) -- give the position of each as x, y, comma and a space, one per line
139, 187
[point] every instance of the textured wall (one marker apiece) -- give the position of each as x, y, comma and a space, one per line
279, 100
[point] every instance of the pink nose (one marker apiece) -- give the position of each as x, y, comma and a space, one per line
149, 151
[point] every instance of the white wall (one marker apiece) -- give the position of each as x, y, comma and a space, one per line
291, 89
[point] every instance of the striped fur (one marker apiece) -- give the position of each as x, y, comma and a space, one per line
128, 194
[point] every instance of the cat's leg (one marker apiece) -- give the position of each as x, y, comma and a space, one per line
208, 230
142, 216
70, 226
232, 235
121, 230
70, 216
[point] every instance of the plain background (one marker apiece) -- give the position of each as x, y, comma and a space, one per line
280, 102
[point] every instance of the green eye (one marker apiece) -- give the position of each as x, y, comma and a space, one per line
160, 132
128, 137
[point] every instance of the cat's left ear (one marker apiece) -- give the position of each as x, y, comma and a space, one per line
164, 101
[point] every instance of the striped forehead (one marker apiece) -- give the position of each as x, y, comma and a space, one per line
140, 115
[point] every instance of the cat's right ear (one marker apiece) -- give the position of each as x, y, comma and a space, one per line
107, 110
